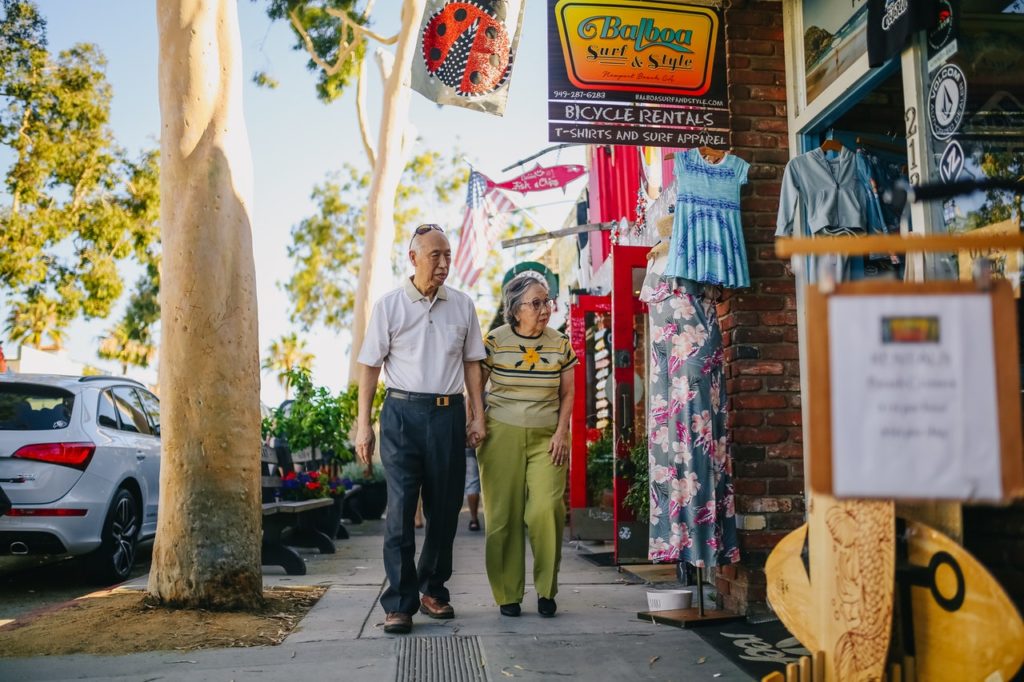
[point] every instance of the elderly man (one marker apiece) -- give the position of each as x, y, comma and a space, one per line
427, 338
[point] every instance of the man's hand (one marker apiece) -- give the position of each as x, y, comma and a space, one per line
364, 432
364, 444
559, 447
476, 431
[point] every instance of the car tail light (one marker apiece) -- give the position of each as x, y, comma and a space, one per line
74, 455
46, 512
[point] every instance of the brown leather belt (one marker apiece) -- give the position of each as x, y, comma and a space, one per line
439, 400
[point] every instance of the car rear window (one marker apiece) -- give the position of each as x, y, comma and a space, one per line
31, 407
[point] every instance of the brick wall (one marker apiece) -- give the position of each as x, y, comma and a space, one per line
759, 324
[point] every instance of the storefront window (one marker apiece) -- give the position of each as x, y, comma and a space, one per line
976, 119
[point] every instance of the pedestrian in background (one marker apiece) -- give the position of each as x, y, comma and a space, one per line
524, 455
473, 489
427, 339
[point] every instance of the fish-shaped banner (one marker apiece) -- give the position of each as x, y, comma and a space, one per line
465, 52
542, 178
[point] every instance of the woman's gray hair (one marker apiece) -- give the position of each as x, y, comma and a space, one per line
513, 293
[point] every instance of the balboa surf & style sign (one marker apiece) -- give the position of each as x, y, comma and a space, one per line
636, 72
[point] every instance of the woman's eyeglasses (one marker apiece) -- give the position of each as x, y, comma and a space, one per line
538, 304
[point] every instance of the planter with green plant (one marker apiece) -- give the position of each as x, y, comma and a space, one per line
600, 459
638, 495
325, 423
373, 498
315, 419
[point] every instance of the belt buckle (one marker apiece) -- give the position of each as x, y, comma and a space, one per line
441, 401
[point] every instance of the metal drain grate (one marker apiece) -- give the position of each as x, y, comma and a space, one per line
440, 659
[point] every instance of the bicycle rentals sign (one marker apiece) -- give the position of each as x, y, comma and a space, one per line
634, 72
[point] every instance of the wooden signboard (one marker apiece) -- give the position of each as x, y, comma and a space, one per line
914, 391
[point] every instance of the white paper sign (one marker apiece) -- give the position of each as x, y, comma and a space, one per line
914, 397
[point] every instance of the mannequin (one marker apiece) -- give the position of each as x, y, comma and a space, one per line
660, 250
692, 508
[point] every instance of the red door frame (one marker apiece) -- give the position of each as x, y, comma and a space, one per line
625, 306
578, 309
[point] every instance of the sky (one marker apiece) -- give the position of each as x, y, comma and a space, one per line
296, 140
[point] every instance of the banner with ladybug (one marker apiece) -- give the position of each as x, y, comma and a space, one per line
466, 49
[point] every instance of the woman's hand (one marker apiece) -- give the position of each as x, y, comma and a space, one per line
559, 448
476, 432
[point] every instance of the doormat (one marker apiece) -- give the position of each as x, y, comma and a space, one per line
759, 649
598, 558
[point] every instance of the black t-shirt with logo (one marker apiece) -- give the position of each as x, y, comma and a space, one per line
892, 22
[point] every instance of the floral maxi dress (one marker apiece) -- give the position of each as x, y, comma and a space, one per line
693, 514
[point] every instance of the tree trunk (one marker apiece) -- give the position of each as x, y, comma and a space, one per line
207, 551
375, 268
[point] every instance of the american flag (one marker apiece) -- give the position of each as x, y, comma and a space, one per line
486, 215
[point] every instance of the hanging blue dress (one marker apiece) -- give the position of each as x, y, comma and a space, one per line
707, 233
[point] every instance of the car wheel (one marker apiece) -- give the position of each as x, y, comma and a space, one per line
113, 561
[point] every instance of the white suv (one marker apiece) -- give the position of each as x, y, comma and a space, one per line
80, 460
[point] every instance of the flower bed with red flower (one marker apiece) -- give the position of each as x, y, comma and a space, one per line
310, 485
304, 485
337, 486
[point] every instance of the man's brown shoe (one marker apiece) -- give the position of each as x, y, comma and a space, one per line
435, 608
398, 623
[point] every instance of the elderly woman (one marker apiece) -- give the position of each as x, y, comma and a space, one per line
524, 456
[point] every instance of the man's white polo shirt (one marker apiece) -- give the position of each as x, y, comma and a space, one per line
422, 343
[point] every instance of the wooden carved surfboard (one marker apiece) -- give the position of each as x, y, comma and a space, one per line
965, 626
840, 599
853, 552
789, 587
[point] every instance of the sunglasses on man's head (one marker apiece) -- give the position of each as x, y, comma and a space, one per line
423, 229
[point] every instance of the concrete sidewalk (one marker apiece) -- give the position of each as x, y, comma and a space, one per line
595, 635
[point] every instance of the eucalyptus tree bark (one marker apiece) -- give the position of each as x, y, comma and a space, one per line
207, 551
387, 172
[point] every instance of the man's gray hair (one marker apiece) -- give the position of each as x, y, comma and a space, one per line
513, 293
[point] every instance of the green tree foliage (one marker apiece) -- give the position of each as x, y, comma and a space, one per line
287, 357
121, 346
327, 247
329, 29
999, 205
75, 206
31, 322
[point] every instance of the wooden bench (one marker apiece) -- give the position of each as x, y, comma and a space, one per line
281, 515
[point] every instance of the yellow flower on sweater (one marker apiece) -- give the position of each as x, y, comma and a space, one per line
531, 357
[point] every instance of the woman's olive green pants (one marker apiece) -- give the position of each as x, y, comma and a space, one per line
523, 492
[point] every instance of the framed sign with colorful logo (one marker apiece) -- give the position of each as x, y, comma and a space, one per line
914, 391
636, 72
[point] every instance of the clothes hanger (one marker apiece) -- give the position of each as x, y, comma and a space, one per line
831, 145
711, 155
